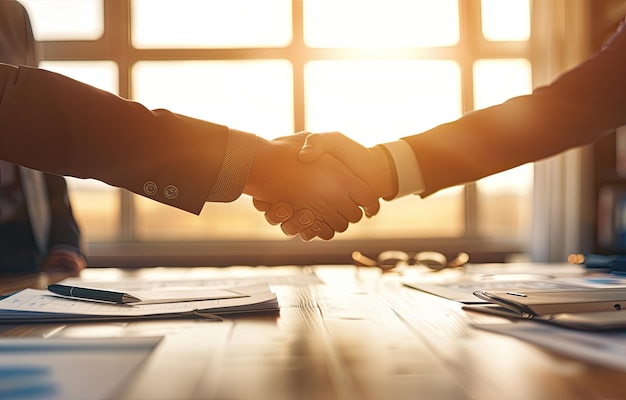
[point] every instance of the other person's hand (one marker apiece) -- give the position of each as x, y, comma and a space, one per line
63, 260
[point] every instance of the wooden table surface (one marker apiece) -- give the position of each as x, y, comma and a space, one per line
352, 337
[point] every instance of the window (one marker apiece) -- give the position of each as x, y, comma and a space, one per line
66, 19
375, 70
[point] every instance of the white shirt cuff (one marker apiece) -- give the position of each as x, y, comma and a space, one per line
409, 174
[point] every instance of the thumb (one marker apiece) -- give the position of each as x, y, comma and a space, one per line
312, 149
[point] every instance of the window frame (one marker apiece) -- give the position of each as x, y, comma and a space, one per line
127, 250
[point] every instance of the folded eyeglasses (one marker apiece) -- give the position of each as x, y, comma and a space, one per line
395, 260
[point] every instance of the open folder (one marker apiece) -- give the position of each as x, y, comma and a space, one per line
31, 305
532, 303
587, 309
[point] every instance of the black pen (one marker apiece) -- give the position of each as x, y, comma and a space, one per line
93, 294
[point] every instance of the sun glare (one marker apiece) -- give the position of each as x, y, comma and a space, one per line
506, 20
380, 101
210, 23
66, 19
389, 23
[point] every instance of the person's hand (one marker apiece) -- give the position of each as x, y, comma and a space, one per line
326, 195
370, 164
300, 222
63, 260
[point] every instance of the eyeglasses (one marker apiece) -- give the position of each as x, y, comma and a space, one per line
395, 260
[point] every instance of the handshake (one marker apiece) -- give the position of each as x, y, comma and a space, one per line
314, 185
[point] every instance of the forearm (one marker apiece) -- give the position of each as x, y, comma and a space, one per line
576, 109
523, 130
54, 124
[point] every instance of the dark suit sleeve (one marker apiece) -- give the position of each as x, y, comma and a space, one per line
55, 124
64, 230
576, 109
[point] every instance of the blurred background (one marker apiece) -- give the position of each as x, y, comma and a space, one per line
375, 70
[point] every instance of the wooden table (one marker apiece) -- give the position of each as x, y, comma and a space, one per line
353, 337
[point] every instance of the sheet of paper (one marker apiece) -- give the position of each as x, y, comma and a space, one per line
598, 281
193, 294
258, 297
463, 290
155, 279
89, 369
606, 349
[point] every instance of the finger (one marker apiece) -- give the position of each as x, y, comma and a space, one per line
363, 195
274, 213
311, 232
278, 213
334, 143
313, 148
336, 221
67, 266
301, 220
327, 232
73, 268
261, 205
318, 229
353, 214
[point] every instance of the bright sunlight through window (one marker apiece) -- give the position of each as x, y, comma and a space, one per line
389, 23
66, 19
504, 20
210, 23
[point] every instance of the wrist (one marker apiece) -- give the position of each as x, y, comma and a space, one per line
257, 175
386, 183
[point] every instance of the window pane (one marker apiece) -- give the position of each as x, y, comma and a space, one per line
95, 204
238, 220
496, 81
381, 101
505, 203
254, 96
504, 199
506, 20
380, 23
96, 207
378, 101
210, 23
439, 215
66, 19
101, 74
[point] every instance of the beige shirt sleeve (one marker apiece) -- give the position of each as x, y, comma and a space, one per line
238, 160
410, 179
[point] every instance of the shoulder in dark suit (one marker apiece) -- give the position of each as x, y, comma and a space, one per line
55, 226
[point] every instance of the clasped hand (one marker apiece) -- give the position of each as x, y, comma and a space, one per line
314, 185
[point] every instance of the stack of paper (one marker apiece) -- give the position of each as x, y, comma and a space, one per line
606, 349
32, 305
